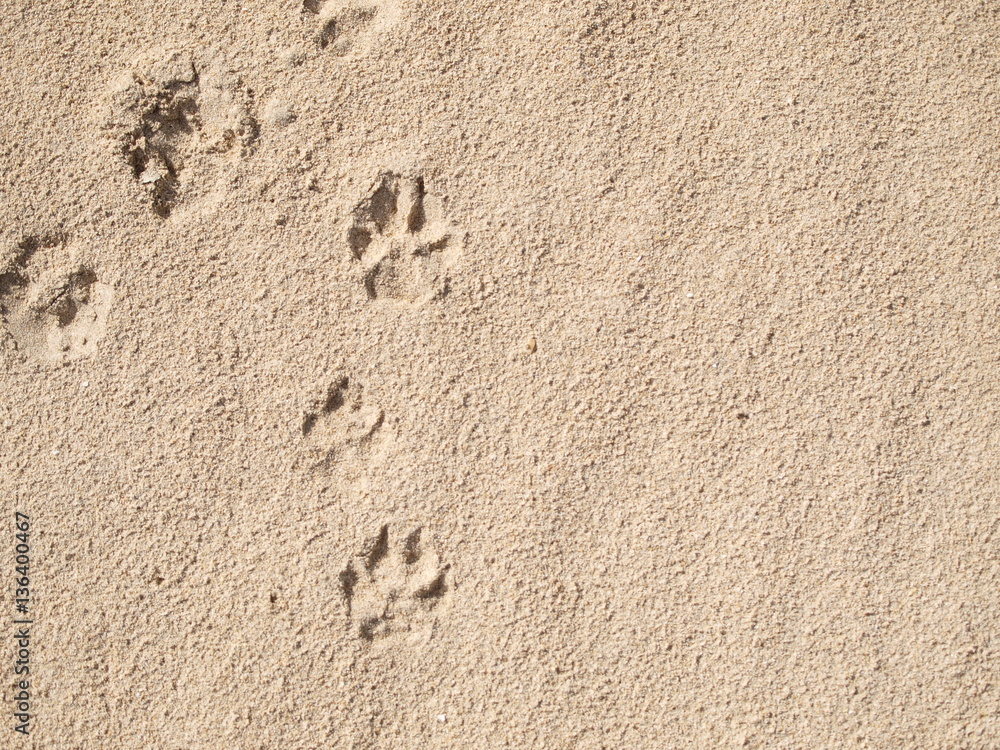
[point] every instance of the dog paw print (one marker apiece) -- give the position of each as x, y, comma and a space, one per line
173, 125
54, 307
349, 25
340, 424
394, 588
404, 248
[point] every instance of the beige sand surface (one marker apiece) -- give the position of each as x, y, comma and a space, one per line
571, 374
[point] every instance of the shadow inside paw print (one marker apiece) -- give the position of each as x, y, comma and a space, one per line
397, 236
393, 588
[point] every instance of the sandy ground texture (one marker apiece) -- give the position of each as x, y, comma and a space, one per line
569, 374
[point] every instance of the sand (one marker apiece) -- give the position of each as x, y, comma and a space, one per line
405, 374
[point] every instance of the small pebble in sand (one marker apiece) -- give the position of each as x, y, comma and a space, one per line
442, 718
278, 113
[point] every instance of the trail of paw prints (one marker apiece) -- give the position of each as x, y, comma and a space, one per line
341, 428
346, 26
404, 248
54, 307
395, 588
173, 125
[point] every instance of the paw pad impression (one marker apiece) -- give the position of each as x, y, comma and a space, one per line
393, 588
397, 235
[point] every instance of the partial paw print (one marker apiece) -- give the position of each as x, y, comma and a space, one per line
346, 26
54, 307
341, 425
395, 588
173, 124
403, 246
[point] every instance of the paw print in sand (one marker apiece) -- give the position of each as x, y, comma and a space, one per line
340, 425
350, 26
394, 589
404, 248
54, 306
177, 126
